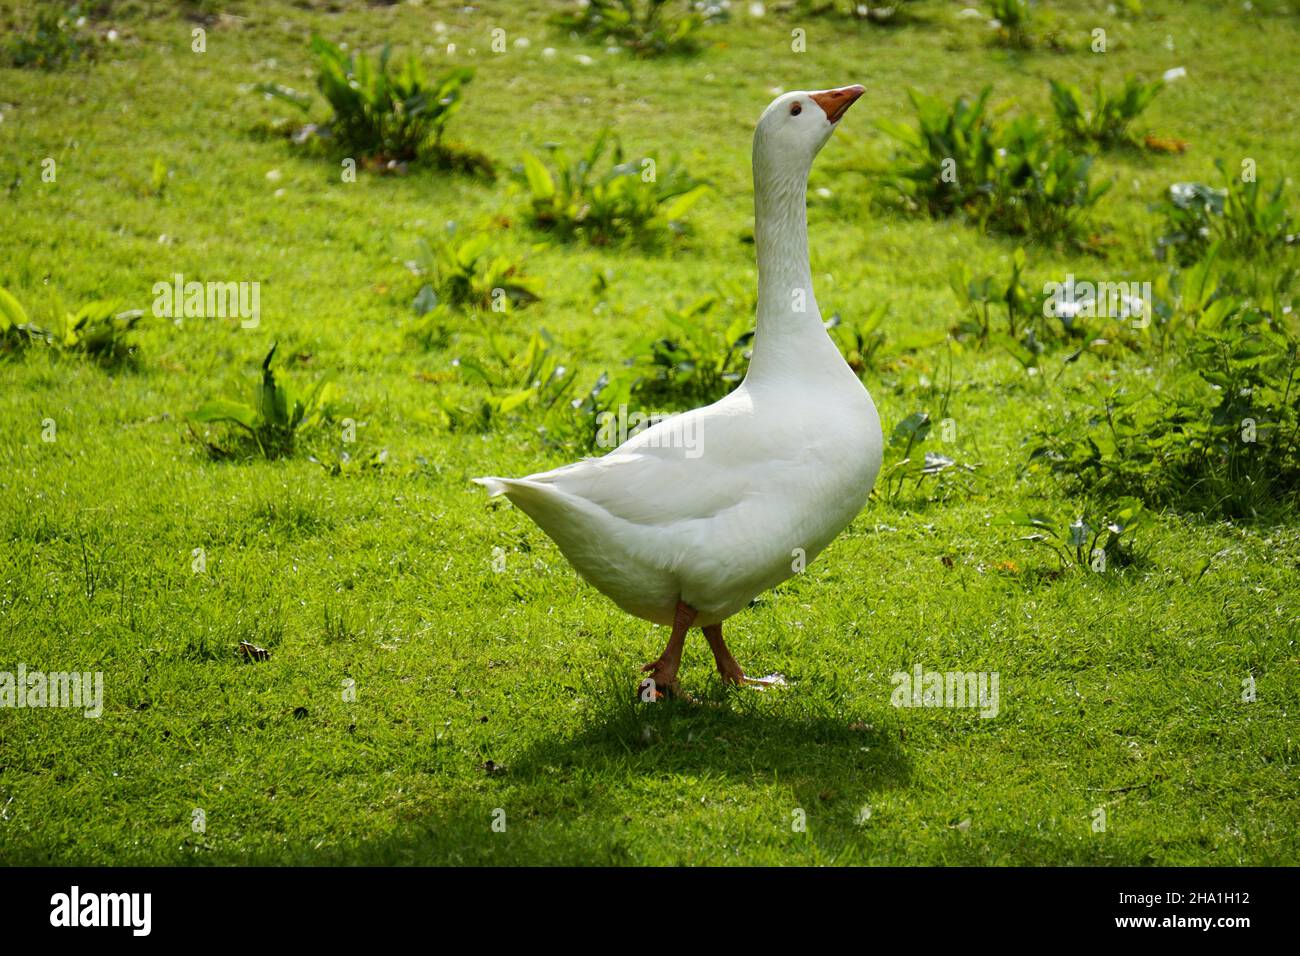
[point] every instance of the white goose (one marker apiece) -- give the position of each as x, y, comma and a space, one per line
686, 522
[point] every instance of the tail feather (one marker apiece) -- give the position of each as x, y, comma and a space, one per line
495, 486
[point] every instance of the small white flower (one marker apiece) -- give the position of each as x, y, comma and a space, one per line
823, 192
451, 48
969, 13
111, 36
273, 175
757, 9
521, 43
1177, 73
584, 60
549, 52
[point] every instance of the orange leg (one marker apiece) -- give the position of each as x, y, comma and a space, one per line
663, 672
727, 666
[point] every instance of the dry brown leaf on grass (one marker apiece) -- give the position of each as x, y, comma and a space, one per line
1162, 144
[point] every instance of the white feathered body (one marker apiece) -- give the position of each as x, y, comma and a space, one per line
769, 480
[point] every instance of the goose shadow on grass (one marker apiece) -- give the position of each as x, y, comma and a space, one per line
569, 798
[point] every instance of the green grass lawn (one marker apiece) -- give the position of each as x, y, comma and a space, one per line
483, 695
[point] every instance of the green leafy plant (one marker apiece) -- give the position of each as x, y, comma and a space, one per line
694, 361
985, 298
1009, 177
861, 343
1040, 187
607, 201
1015, 20
647, 28
53, 42
273, 423
589, 421
434, 325
1028, 320
880, 14
1255, 222
346, 464
1099, 538
697, 362
1106, 121
1183, 297
906, 461
1242, 217
16, 329
946, 157
1190, 210
467, 274
533, 376
1221, 433
99, 329
384, 114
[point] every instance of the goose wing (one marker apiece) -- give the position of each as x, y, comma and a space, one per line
692, 466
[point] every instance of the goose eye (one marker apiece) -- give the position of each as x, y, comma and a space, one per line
796, 109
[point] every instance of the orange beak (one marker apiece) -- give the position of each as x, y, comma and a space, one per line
834, 103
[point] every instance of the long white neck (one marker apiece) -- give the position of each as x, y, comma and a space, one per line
790, 339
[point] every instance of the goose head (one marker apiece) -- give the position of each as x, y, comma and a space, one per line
794, 128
